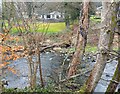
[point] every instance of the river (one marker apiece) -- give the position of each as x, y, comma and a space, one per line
51, 63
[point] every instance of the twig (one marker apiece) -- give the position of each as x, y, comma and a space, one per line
64, 80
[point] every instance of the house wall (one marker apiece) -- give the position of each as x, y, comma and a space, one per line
45, 16
54, 17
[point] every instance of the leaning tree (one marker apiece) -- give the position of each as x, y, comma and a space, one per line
81, 39
105, 43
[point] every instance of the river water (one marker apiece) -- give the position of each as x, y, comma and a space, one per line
51, 63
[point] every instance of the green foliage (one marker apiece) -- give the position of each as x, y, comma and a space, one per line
72, 50
90, 48
37, 89
72, 11
82, 89
9, 90
96, 19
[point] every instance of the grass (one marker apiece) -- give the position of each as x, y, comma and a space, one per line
88, 49
95, 19
43, 27
91, 48
54, 27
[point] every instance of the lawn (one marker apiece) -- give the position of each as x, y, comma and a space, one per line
90, 48
43, 27
52, 27
96, 19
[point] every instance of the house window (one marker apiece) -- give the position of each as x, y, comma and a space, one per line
57, 17
48, 16
42, 16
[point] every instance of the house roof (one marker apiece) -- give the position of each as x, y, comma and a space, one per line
55, 12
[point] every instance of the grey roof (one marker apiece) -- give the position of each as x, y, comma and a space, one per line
55, 12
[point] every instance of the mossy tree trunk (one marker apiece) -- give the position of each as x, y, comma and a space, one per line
103, 46
116, 78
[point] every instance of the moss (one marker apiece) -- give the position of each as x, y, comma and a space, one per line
83, 89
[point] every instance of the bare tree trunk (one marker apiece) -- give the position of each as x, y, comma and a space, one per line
113, 85
103, 47
0, 63
40, 70
0, 72
82, 39
1, 31
30, 72
34, 73
33, 66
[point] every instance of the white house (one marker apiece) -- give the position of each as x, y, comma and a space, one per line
52, 15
